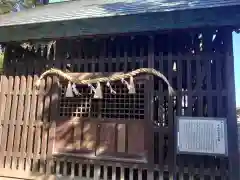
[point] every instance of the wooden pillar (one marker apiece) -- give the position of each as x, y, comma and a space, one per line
233, 152
149, 107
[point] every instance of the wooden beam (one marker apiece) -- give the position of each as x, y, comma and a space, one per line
233, 151
222, 16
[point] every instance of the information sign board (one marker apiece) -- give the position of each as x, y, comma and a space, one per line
201, 135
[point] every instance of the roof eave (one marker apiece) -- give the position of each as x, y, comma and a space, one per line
123, 24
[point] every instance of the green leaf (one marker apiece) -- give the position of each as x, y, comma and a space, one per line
1, 61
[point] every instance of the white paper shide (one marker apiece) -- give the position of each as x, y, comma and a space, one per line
207, 136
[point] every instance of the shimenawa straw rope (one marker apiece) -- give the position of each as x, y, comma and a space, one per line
106, 79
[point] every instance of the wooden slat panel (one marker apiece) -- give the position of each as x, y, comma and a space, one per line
50, 149
78, 130
107, 138
37, 132
160, 110
89, 136
113, 172
54, 92
136, 138
3, 103
6, 120
46, 115
4, 87
171, 138
28, 130
63, 136
18, 132
12, 120
96, 172
121, 138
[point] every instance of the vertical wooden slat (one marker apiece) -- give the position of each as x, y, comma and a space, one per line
199, 74
114, 173
87, 170
6, 120
17, 139
54, 92
3, 91
219, 86
80, 169
118, 54
49, 160
38, 124
171, 139
131, 174
35, 127
65, 168
122, 173
140, 174
219, 108
125, 58
189, 88
209, 88
149, 132
4, 103
96, 172
109, 57
160, 117
178, 108
45, 127
72, 169
12, 121
209, 110
189, 105
105, 171
133, 58
160, 175
102, 56
142, 58
199, 78
121, 138
58, 168
150, 175
28, 129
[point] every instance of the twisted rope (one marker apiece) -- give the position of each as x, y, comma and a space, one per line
115, 77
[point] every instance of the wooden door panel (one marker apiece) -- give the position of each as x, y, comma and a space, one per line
88, 142
136, 138
121, 138
78, 130
63, 136
88, 138
107, 138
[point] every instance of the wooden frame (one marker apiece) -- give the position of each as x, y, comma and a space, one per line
99, 123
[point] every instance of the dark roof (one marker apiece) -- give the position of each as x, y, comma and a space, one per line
82, 9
